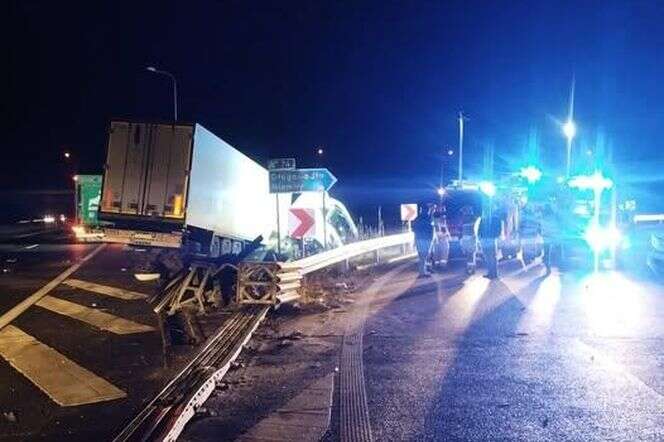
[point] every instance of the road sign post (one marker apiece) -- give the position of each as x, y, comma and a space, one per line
324, 222
280, 164
276, 196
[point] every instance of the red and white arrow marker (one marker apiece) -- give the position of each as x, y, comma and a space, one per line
302, 223
408, 212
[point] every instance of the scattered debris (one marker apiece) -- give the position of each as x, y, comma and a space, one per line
144, 277
285, 343
316, 365
221, 386
206, 412
296, 335
123, 269
11, 260
235, 365
545, 422
9, 416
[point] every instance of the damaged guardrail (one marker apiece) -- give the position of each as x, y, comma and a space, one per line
274, 283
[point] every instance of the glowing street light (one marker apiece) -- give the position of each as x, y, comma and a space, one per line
67, 155
320, 151
441, 191
569, 129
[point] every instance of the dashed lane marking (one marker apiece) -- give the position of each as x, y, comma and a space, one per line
114, 292
12, 314
94, 317
65, 382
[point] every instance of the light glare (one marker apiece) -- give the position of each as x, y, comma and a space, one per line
569, 129
488, 188
531, 174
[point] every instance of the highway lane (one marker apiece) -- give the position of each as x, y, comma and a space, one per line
79, 361
569, 356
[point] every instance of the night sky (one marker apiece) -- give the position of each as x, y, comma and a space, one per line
378, 84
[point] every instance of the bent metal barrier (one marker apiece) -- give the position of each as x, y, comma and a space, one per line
279, 282
265, 284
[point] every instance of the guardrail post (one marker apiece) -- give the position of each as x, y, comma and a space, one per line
377, 252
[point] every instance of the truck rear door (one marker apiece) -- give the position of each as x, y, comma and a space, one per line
168, 171
147, 169
124, 170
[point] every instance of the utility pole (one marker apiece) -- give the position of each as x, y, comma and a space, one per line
460, 148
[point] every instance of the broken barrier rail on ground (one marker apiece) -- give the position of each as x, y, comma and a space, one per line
273, 283
260, 285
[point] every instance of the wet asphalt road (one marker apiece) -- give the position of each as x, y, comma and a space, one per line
132, 362
570, 356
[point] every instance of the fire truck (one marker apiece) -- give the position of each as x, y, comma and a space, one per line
463, 205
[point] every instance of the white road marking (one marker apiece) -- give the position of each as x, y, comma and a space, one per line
65, 382
114, 292
94, 317
12, 314
31, 246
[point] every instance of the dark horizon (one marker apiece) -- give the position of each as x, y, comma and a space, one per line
379, 84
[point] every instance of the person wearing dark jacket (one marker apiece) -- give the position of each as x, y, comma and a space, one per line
423, 231
490, 229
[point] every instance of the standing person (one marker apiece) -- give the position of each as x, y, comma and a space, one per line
490, 230
423, 231
440, 247
549, 227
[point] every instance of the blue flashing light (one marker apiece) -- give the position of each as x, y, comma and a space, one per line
600, 238
596, 182
487, 188
531, 173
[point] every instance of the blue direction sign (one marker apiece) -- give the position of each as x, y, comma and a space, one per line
301, 180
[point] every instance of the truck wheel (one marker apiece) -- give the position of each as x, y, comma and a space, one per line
215, 247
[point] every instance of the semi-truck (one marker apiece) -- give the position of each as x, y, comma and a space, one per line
178, 185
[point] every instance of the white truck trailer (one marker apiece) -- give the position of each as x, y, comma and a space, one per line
180, 186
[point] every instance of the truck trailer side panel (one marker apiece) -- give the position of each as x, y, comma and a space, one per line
228, 191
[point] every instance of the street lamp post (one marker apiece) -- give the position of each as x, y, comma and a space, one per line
569, 129
175, 87
461, 117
